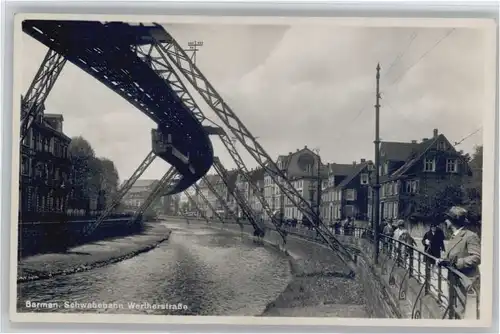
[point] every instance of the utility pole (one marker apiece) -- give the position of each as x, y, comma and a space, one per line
376, 186
319, 187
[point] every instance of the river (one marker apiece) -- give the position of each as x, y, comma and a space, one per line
207, 271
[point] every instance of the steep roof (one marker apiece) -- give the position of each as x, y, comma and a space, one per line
256, 175
397, 151
356, 169
288, 157
340, 169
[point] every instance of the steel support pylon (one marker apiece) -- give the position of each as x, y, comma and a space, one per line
32, 103
122, 192
192, 200
171, 49
207, 203
156, 58
158, 190
219, 197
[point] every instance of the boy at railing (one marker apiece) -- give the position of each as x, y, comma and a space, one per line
433, 242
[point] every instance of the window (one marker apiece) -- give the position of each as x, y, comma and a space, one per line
411, 186
364, 179
25, 165
350, 194
386, 168
396, 210
451, 165
429, 165
442, 146
396, 187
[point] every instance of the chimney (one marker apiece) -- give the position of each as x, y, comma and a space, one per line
413, 141
425, 139
354, 163
305, 146
435, 133
289, 153
363, 161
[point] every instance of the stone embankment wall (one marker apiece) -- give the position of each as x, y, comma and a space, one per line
387, 289
40, 237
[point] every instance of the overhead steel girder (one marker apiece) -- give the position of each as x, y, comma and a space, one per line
240, 199
207, 203
155, 57
177, 55
32, 103
122, 192
219, 197
192, 200
157, 192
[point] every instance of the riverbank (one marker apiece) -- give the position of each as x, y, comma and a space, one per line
319, 287
92, 255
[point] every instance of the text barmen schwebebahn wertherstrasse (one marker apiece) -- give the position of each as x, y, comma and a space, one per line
101, 305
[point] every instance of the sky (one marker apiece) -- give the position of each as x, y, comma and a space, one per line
295, 86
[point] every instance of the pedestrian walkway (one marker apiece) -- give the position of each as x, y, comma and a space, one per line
92, 255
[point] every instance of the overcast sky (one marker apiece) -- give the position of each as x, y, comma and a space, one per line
297, 85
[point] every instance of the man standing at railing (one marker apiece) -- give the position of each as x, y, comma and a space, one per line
464, 249
464, 255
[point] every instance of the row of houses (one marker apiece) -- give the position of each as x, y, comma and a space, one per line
337, 191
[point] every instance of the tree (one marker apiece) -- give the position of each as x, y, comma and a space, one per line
82, 157
94, 179
474, 186
433, 206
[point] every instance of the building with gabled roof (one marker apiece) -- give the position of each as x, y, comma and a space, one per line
305, 171
346, 191
411, 172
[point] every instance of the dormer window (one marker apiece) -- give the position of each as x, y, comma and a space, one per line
429, 165
364, 179
442, 146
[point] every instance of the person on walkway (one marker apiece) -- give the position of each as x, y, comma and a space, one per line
388, 229
464, 249
405, 236
433, 242
400, 225
348, 226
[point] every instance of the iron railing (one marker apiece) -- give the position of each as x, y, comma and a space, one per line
455, 294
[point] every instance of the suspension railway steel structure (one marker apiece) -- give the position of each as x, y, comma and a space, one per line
143, 64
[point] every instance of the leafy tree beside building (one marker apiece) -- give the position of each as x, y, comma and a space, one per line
94, 180
465, 192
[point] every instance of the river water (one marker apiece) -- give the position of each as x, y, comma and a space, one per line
198, 271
